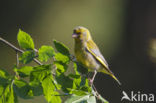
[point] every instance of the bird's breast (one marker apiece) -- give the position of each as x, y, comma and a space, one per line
85, 58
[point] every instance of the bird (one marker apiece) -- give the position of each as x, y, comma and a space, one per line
88, 54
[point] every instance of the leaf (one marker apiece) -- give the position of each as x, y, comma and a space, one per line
24, 71
60, 68
80, 68
76, 83
22, 89
55, 98
91, 99
48, 88
3, 74
61, 48
43, 67
77, 99
8, 95
45, 52
25, 41
65, 82
36, 88
27, 57
58, 86
40, 72
4, 77
85, 85
1, 90
6, 90
80, 83
77, 92
62, 58
80, 86
74, 76
11, 95
75, 67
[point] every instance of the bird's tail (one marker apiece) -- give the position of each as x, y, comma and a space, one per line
113, 76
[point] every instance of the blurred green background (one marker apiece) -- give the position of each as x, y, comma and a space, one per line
124, 30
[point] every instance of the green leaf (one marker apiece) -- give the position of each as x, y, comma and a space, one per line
3, 74
80, 86
74, 76
45, 52
79, 68
11, 95
27, 57
48, 88
24, 71
81, 99
55, 98
6, 90
62, 58
61, 48
36, 88
60, 68
1, 90
38, 75
76, 83
58, 86
77, 99
77, 92
75, 67
85, 85
40, 72
8, 95
65, 82
4, 77
25, 41
80, 83
22, 89
43, 67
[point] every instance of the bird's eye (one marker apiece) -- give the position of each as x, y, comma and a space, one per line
76, 32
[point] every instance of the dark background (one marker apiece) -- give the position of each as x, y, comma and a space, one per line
124, 30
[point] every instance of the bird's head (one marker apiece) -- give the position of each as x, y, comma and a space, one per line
81, 33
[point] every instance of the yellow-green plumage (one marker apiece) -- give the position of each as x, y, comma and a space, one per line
88, 54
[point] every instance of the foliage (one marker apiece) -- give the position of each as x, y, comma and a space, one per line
50, 80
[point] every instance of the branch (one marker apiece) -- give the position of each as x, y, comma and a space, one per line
17, 49
97, 95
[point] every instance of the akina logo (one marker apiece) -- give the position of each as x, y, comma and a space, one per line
138, 96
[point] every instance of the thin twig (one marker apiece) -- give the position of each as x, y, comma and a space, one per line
17, 64
17, 49
96, 94
17, 60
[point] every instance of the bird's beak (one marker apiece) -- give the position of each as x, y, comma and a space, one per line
74, 35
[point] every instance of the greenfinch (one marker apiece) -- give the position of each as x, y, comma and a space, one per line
88, 54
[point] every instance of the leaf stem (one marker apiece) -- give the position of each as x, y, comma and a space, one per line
17, 49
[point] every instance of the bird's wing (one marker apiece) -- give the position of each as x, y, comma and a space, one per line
94, 50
